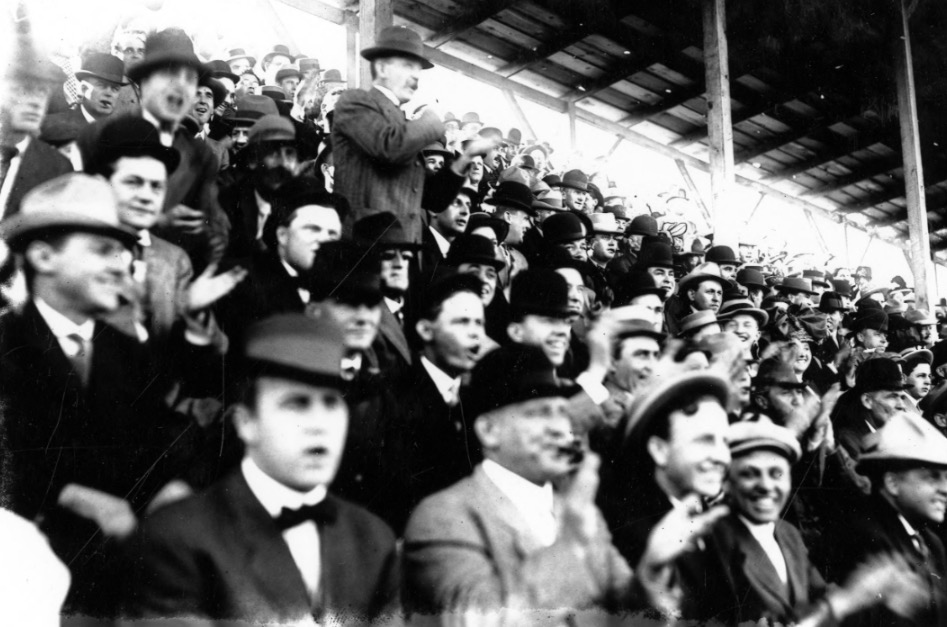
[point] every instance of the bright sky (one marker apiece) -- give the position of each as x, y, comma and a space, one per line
258, 24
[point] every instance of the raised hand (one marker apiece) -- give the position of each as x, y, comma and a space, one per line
207, 289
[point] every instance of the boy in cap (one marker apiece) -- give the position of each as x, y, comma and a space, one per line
269, 542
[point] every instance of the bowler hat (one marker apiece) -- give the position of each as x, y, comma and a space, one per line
252, 107
514, 137
696, 250
777, 372
879, 373
723, 256
59, 130
164, 49
514, 374
235, 54
346, 272
793, 284
748, 436
480, 219
575, 179
490, 132
288, 72
742, 307
707, 271
842, 287
437, 148
220, 69
296, 346
104, 66
563, 227
307, 64
635, 283
644, 224
750, 277
830, 302
332, 76
473, 249
524, 161
471, 117
382, 231
275, 92
605, 224
906, 437
271, 128
512, 195
395, 41
870, 318
278, 49
540, 292
131, 136
596, 193
655, 403
216, 87
696, 321
71, 202
621, 212
552, 180
817, 278
655, 254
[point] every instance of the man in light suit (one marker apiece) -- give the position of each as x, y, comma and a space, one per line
269, 543
504, 541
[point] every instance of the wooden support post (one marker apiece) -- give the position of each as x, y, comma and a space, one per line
282, 33
570, 109
756, 208
611, 151
373, 17
818, 232
848, 248
351, 55
717, 78
695, 193
920, 258
521, 118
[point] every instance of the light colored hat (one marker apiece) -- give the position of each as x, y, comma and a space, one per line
905, 437
708, 271
654, 402
697, 320
742, 307
605, 224
634, 321
748, 436
920, 317
73, 201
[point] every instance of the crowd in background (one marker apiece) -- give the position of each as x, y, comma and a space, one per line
278, 351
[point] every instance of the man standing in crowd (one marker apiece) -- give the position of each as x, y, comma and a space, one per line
269, 542
877, 396
129, 46
100, 81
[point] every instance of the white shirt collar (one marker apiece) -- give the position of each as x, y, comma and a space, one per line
264, 209
442, 242
273, 495
88, 116
165, 136
759, 530
394, 306
291, 271
144, 238
907, 526
447, 385
390, 95
60, 325
22, 145
536, 503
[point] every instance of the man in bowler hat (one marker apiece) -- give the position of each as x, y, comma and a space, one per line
100, 81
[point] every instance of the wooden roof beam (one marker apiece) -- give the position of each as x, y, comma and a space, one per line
932, 218
676, 99
879, 166
528, 57
845, 146
478, 13
891, 193
781, 139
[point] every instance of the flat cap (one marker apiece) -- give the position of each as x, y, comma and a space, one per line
748, 436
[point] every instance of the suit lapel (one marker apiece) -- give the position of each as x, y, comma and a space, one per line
796, 566
759, 570
393, 332
504, 513
48, 351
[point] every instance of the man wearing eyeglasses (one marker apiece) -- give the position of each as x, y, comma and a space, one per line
129, 46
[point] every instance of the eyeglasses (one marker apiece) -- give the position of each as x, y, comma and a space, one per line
133, 51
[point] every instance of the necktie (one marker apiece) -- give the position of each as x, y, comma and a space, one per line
81, 357
320, 513
452, 395
7, 153
921, 546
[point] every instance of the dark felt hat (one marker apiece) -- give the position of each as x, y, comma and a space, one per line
793, 284
346, 272
301, 191
216, 87
514, 195
288, 72
275, 92
398, 41
817, 277
655, 254
298, 347
473, 249
723, 256
742, 307
750, 277
879, 373
540, 292
831, 301
870, 318
635, 283
437, 148
220, 69
692, 323
381, 231
104, 66
644, 224
575, 179
166, 48
252, 107
272, 128
514, 374
563, 227
552, 180
843, 287
59, 129
130, 136
332, 76
515, 136
479, 219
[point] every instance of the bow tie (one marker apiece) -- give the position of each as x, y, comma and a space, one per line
320, 513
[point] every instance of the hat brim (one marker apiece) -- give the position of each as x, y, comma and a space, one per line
693, 280
692, 385
167, 155
111, 78
378, 52
571, 186
252, 59
164, 61
20, 228
481, 260
615, 231
228, 75
512, 204
870, 461
550, 312
795, 290
761, 316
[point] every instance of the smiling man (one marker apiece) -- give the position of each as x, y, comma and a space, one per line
269, 543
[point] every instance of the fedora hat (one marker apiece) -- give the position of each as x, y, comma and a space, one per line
301, 191
395, 41
575, 179
479, 219
552, 201
879, 373
777, 372
491, 132
920, 317
381, 231
58, 130
288, 72
635, 283
655, 254
707, 271
275, 92
252, 107
750, 277
817, 278
235, 54
723, 256
655, 402
696, 321
830, 302
164, 49
792, 284
71, 202
906, 437
514, 374
869, 318
216, 87
130, 136
346, 272
635, 321
747, 436
308, 64
513, 195
437, 148
843, 287
296, 346
471, 117
563, 227
553, 180
742, 307
644, 224
526, 162
278, 49
605, 224
220, 69
473, 249
541, 292
104, 66
271, 128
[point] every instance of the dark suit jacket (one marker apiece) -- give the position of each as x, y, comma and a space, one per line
391, 345
266, 290
39, 163
468, 548
219, 555
69, 115
239, 203
731, 580
378, 158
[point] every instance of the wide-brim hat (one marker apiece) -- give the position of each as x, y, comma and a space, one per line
654, 402
71, 202
697, 321
167, 48
605, 224
631, 323
480, 219
437, 148
830, 302
869, 318
707, 271
104, 66
575, 179
796, 284
906, 437
514, 195
920, 317
278, 49
747, 436
398, 41
288, 72
382, 231
552, 201
219, 68
476, 249
742, 307
132, 136
252, 107
235, 54
816, 277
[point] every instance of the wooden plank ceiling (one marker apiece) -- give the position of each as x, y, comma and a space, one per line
635, 68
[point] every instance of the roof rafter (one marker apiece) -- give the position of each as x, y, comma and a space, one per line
843, 147
478, 13
879, 166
